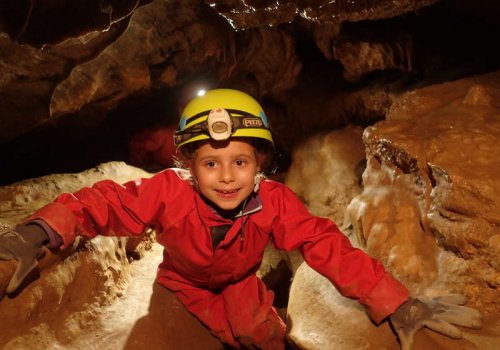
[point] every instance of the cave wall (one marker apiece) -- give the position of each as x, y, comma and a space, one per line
426, 205
79, 80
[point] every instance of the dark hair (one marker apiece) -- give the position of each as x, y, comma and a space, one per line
266, 155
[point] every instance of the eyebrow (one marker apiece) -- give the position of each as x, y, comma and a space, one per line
242, 155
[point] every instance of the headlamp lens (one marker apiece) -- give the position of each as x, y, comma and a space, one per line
219, 127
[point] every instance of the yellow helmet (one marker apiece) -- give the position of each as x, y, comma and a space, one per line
220, 114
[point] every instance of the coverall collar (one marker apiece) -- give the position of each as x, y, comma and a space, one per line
249, 206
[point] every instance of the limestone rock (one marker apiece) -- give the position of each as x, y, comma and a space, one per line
247, 14
326, 171
450, 159
65, 302
428, 209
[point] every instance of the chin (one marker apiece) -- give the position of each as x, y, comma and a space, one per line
228, 206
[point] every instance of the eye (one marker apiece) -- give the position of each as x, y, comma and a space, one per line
240, 162
210, 164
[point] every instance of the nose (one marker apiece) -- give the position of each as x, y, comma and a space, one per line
226, 174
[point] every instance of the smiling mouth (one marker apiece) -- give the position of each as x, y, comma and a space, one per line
227, 193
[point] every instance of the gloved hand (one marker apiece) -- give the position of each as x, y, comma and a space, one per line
25, 244
437, 313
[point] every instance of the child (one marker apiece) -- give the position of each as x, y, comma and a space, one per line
214, 220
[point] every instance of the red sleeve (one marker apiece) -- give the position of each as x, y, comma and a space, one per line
327, 250
108, 208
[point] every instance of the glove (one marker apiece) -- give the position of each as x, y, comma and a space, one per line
25, 244
437, 313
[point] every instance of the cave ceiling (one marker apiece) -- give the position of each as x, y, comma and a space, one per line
78, 78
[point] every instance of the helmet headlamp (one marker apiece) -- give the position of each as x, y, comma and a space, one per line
219, 124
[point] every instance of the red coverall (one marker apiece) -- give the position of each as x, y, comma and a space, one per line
219, 286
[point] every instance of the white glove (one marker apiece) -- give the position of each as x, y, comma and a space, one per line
25, 244
439, 314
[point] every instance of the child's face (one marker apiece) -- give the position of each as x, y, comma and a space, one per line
225, 173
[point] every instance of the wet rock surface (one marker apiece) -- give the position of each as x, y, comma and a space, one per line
426, 208
451, 159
